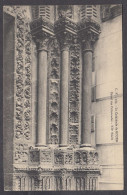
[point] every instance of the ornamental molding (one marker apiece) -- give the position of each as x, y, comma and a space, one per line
41, 25
66, 32
42, 32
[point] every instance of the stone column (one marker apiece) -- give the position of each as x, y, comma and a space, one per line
88, 33
86, 93
42, 93
65, 31
64, 95
42, 31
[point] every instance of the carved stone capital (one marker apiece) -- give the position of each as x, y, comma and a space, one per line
65, 40
64, 10
66, 32
42, 43
88, 32
42, 31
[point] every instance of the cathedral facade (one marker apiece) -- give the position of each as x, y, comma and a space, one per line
63, 98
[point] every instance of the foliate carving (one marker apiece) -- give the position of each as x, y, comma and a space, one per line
88, 31
21, 153
89, 24
42, 31
59, 158
93, 158
64, 166
69, 158
46, 156
54, 92
65, 22
23, 77
19, 11
27, 84
65, 31
74, 93
65, 39
73, 139
19, 80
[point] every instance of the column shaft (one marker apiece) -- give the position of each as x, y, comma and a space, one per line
64, 97
86, 97
42, 97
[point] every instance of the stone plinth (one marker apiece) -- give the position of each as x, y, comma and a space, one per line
62, 168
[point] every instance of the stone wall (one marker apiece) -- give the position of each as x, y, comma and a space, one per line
108, 108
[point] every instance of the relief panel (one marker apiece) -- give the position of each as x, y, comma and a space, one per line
54, 91
74, 93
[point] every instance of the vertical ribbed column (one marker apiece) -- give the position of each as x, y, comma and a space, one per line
42, 30
65, 31
64, 95
86, 93
42, 94
88, 33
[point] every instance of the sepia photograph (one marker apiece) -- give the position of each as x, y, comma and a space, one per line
63, 97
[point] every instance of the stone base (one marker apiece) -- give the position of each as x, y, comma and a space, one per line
59, 168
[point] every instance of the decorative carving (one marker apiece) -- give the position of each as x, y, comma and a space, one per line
88, 31
65, 11
54, 92
39, 174
21, 153
41, 23
42, 31
59, 158
65, 31
65, 22
93, 158
54, 139
27, 83
85, 157
19, 80
43, 42
74, 93
55, 69
77, 158
69, 158
73, 129
46, 156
